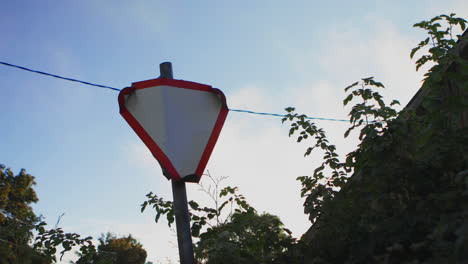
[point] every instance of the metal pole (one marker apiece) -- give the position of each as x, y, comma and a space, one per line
184, 237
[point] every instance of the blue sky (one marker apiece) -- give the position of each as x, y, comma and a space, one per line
264, 55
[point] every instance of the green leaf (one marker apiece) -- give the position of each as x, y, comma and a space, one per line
346, 134
158, 215
143, 206
413, 51
308, 151
347, 99
220, 209
170, 219
193, 205
289, 109
351, 86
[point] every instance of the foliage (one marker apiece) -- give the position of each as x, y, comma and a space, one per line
227, 197
406, 201
116, 250
47, 242
16, 216
319, 189
247, 238
232, 232
23, 237
446, 76
440, 39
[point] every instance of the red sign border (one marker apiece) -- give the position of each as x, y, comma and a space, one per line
149, 142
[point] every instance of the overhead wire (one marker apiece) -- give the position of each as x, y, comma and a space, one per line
116, 89
280, 115
59, 77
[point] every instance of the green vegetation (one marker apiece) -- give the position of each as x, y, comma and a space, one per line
406, 199
25, 240
116, 250
16, 217
23, 237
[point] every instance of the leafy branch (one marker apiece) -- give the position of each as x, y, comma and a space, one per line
318, 188
228, 197
372, 113
47, 242
447, 79
441, 40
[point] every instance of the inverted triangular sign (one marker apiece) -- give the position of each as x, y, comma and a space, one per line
179, 121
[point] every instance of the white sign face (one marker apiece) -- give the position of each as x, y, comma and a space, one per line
179, 121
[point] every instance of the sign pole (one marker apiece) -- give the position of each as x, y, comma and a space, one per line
179, 193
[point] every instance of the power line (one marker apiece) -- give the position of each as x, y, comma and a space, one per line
57, 76
116, 89
270, 114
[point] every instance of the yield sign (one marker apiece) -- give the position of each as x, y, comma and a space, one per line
179, 121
